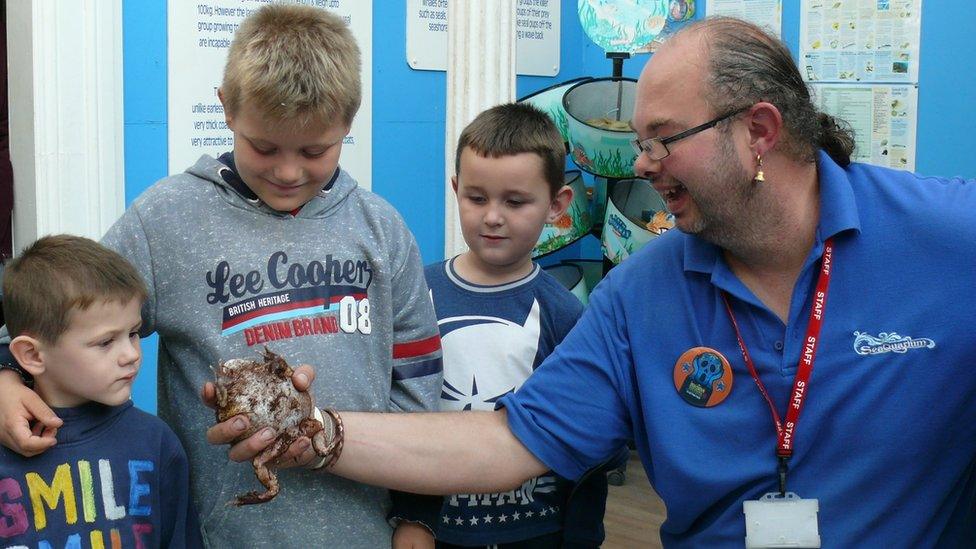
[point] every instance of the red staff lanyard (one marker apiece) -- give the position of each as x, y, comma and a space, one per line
786, 431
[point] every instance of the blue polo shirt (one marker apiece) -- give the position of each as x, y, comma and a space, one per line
887, 437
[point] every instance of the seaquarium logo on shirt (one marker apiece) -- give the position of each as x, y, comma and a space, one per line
889, 342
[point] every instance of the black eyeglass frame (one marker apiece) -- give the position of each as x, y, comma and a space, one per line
640, 146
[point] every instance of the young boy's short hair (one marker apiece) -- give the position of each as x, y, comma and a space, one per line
516, 128
295, 64
58, 273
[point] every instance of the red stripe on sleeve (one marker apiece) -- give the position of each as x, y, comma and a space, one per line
411, 349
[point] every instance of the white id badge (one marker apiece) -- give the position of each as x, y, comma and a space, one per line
781, 521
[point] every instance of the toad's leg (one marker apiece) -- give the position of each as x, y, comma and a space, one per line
265, 474
315, 431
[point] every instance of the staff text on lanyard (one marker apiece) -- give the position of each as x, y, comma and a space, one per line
786, 431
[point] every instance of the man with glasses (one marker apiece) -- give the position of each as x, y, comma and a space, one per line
798, 282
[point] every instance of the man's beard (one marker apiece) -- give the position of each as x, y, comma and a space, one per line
732, 211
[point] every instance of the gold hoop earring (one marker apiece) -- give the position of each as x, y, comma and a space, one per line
760, 177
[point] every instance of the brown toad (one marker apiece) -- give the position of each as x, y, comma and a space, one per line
264, 392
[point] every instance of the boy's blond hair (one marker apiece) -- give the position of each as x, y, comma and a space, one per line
295, 64
516, 128
59, 273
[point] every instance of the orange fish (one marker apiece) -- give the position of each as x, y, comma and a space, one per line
660, 222
579, 155
564, 222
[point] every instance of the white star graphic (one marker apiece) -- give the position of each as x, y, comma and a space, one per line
543, 513
515, 515
528, 514
488, 519
459, 521
473, 521
503, 518
447, 519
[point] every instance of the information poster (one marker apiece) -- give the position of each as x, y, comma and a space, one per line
765, 13
199, 35
860, 40
536, 36
883, 118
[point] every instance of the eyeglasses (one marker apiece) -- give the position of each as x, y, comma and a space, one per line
657, 147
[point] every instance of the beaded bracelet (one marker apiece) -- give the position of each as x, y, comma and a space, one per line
334, 447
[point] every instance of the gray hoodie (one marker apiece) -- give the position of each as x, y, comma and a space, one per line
338, 285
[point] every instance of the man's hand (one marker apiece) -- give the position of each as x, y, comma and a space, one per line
21, 407
299, 454
412, 535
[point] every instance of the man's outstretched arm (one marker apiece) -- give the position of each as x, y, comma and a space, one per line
435, 453
424, 453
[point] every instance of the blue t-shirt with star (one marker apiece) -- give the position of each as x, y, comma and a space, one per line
493, 338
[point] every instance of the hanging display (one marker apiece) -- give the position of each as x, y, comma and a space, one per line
594, 115
633, 26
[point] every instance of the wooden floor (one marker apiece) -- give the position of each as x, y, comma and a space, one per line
634, 512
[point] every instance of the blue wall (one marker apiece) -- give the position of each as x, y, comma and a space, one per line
408, 112
144, 70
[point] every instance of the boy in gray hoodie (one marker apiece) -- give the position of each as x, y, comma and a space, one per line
276, 245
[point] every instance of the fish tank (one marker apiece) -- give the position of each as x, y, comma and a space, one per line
550, 101
599, 112
636, 214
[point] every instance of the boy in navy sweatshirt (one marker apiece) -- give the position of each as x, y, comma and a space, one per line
117, 476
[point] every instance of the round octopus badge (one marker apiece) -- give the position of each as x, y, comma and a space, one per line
703, 377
